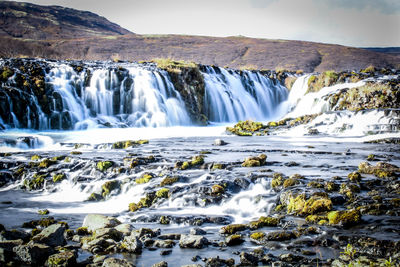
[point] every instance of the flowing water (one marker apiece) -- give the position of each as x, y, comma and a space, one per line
143, 104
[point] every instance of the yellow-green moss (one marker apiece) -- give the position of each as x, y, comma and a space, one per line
217, 189
109, 186
257, 235
82, 231
128, 143
246, 128
58, 177
46, 163
162, 193
36, 157
302, 206
264, 221
104, 165
344, 217
277, 180
233, 228
290, 182
354, 176
169, 181
255, 161
145, 178
43, 212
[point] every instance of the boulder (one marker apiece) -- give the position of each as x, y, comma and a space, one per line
132, 244
64, 259
33, 253
160, 264
52, 235
193, 241
114, 262
96, 221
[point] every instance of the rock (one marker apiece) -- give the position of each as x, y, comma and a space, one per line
234, 240
217, 262
64, 259
52, 235
299, 205
219, 142
114, 262
197, 231
132, 244
165, 252
96, 221
280, 236
193, 241
108, 233
170, 236
13, 235
33, 253
263, 221
164, 243
161, 264
255, 161
354, 177
232, 228
248, 259
124, 228
344, 217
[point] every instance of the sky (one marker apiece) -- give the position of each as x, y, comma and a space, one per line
358, 23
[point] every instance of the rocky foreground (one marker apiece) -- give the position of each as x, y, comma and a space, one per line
322, 204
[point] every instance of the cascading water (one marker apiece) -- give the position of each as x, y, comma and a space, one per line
230, 97
97, 95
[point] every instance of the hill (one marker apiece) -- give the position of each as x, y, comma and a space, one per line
64, 33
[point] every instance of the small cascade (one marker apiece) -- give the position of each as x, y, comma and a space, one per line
230, 97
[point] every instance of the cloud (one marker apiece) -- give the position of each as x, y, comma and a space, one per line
261, 3
383, 6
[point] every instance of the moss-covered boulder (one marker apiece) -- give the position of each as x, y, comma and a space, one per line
264, 221
246, 128
45, 163
257, 236
59, 177
277, 179
64, 258
162, 193
233, 228
196, 161
169, 180
255, 161
128, 143
217, 189
145, 178
109, 186
36, 182
300, 205
234, 240
344, 217
95, 197
104, 165
354, 177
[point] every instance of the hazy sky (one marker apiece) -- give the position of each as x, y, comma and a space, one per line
357, 23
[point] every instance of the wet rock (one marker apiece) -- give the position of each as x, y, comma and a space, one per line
354, 177
289, 257
170, 236
132, 244
65, 259
197, 231
52, 235
234, 240
96, 221
33, 253
264, 221
255, 161
160, 264
6, 235
193, 241
124, 228
300, 205
219, 142
345, 218
247, 259
107, 233
165, 252
114, 262
233, 228
164, 243
280, 236
217, 262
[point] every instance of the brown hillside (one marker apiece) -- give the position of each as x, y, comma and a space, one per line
63, 33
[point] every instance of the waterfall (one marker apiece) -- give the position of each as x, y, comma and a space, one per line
230, 97
83, 95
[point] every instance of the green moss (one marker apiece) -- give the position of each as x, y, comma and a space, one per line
109, 186
95, 197
299, 205
104, 165
164, 220
46, 163
246, 128
76, 153
277, 180
315, 184
344, 217
349, 190
36, 157
217, 189
162, 193
290, 182
43, 212
330, 186
185, 165
169, 181
264, 221
133, 207
371, 157
354, 177
6, 73
36, 182
128, 143
233, 228
384, 173
145, 178
174, 66
58, 177
257, 235
197, 160
218, 166
315, 218
35, 231
255, 161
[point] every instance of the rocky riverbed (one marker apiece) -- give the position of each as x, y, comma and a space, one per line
248, 201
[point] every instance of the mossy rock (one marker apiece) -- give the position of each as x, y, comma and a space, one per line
264, 221
246, 128
344, 217
255, 161
133, 207
234, 240
217, 189
169, 181
299, 205
218, 166
257, 236
104, 165
36, 182
280, 236
46, 163
316, 218
36, 157
349, 190
6, 73
43, 212
109, 186
162, 193
233, 228
315, 184
197, 160
128, 143
277, 180
82, 231
145, 178
290, 182
64, 258
164, 220
76, 153
59, 177
330, 186
95, 197
354, 177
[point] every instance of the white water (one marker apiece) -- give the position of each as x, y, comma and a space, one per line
231, 97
